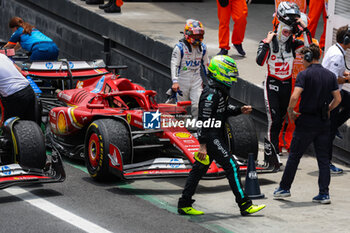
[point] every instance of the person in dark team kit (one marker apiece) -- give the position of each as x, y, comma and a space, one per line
32, 40
316, 86
213, 104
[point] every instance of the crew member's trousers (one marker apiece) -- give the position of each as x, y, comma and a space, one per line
316, 7
238, 11
309, 129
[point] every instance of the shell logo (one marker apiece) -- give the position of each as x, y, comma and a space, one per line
183, 135
61, 122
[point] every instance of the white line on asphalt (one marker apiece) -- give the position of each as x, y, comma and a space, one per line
55, 210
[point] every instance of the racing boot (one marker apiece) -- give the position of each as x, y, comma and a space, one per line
94, 2
189, 211
106, 5
115, 7
252, 209
184, 207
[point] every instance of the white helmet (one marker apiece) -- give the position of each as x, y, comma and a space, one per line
304, 18
287, 12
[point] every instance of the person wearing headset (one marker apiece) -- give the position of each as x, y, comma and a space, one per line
32, 40
316, 86
334, 60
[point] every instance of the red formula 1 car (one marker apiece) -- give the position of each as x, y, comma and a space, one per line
119, 128
23, 158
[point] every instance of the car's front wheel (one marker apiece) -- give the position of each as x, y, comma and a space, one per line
100, 134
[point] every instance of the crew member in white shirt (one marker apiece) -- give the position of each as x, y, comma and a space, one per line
334, 60
17, 95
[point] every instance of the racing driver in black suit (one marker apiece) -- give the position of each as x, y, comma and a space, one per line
213, 104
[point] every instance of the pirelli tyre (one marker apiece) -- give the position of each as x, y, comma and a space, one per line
242, 136
100, 134
29, 143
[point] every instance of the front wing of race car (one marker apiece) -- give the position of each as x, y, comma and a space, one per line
175, 166
14, 174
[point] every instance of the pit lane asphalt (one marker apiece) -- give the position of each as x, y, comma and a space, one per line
150, 205
108, 205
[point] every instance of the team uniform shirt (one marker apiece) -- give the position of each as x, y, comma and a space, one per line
318, 83
334, 61
28, 40
11, 80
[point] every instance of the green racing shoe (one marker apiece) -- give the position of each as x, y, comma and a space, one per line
252, 209
189, 211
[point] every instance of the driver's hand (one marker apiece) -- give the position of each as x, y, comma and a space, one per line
202, 152
175, 87
246, 109
301, 22
270, 36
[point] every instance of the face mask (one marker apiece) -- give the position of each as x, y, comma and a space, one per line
283, 32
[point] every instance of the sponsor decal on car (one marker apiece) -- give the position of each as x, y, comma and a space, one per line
64, 96
136, 122
174, 163
61, 122
128, 117
6, 170
182, 135
80, 84
49, 65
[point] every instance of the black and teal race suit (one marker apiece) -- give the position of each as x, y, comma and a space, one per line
213, 104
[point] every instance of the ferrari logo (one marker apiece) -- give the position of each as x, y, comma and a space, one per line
128, 118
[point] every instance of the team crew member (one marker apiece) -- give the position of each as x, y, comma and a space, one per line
278, 51
288, 126
17, 95
316, 86
188, 56
238, 11
31, 39
316, 8
213, 105
334, 60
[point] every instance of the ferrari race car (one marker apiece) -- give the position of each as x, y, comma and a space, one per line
23, 157
118, 128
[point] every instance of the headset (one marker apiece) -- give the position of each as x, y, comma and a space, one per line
309, 56
346, 39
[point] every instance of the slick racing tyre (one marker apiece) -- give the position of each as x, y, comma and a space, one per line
100, 134
30, 144
241, 135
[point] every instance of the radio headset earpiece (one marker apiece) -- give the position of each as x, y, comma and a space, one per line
346, 39
308, 56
